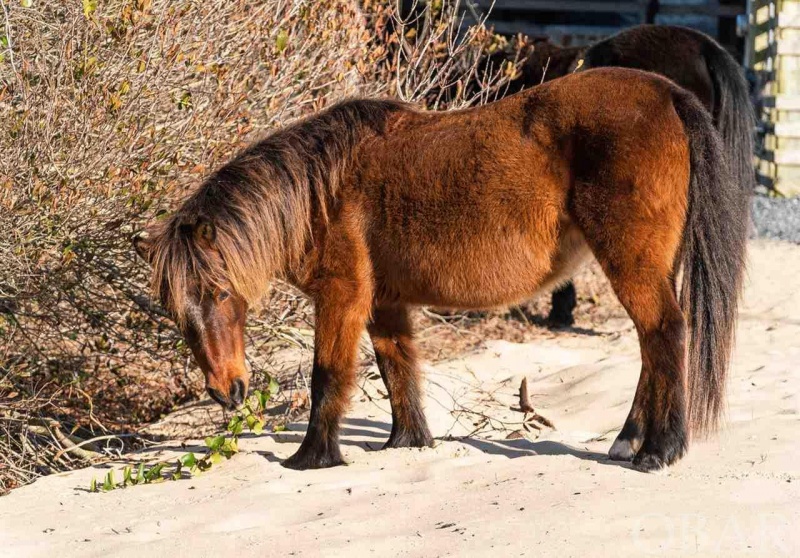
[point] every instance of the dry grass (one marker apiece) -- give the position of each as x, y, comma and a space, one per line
109, 112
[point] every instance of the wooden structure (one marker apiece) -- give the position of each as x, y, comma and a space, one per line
773, 53
576, 22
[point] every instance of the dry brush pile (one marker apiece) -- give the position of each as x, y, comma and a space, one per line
109, 112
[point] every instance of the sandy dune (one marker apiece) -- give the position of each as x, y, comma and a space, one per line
491, 493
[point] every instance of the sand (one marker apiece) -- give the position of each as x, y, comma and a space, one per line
489, 487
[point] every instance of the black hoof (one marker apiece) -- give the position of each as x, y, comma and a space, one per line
659, 453
560, 319
564, 302
409, 439
309, 459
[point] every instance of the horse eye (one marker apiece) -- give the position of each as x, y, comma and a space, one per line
223, 295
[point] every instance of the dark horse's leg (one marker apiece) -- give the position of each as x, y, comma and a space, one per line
395, 353
341, 313
655, 432
564, 302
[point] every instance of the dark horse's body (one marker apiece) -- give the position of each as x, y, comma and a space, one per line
691, 59
372, 207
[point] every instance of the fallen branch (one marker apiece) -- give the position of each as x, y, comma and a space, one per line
526, 407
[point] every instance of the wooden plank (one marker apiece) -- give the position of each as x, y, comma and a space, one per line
788, 47
560, 6
765, 180
782, 156
758, 4
789, 20
554, 30
608, 7
783, 129
764, 27
707, 10
782, 102
763, 54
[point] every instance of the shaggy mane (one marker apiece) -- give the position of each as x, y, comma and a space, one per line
261, 204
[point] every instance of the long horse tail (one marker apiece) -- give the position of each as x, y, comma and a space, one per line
712, 257
733, 112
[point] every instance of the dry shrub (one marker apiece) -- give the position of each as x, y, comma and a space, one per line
110, 111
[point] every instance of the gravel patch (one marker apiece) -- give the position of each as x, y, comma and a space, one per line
777, 218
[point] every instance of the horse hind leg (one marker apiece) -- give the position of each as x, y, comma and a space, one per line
636, 247
391, 334
655, 433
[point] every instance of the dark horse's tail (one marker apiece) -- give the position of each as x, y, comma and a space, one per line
733, 111
712, 259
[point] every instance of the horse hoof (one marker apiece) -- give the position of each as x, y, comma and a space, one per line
558, 319
649, 463
654, 459
409, 440
622, 450
302, 460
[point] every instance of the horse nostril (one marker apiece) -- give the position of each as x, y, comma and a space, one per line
217, 396
237, 392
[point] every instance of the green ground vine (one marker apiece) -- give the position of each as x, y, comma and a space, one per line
218, 448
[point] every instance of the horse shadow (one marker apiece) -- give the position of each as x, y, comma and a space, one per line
522, 447
374, 434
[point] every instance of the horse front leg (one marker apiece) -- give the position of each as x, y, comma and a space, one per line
392, 339
341, 313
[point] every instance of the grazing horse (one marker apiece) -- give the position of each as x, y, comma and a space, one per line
371, 207
691, 59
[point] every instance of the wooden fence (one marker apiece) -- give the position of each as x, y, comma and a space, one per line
773, 52
601, 18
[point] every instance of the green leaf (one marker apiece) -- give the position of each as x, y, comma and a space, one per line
188, 460
89, 6
215, 442
279, 428
261, 399
215, 457
93, 485
126, 476
274, 387
236, 425
229, 448
108, 483
282, 41
258, 428
185, 101
154, 473
26, 3
140, 474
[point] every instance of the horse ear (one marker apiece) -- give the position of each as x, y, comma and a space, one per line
142, 243
205, 231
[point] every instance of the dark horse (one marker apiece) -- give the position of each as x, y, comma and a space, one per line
689, 58
371, 207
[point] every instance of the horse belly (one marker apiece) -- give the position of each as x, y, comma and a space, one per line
475, 264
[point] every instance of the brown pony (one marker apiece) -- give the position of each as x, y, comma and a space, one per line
371, 207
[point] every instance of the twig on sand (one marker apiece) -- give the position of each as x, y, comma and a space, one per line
526, 407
